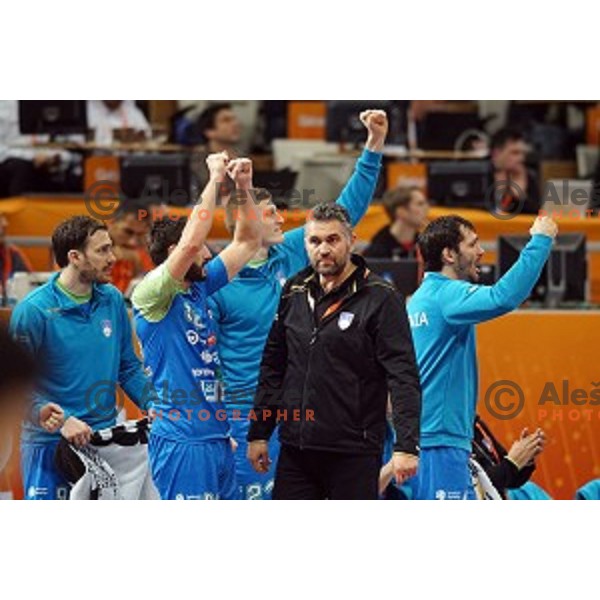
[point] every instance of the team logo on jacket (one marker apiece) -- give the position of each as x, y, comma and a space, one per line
345, 320
107, 328
192, 337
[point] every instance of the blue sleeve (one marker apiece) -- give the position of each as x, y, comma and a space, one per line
355, 197
464, 303
215, 306
27, 327
132, 378
216, 275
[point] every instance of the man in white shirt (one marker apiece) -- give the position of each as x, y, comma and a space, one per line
19, 164
104, 116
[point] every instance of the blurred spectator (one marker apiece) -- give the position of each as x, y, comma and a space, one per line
104, 116
20, 167
220, 127
12, 259
407, 209
129, 231
508, 153
221, 130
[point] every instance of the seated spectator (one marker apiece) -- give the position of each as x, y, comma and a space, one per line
507, 164
104, 116
20, 167
506, 470
407, 209
129, 231
12, 259
221, 131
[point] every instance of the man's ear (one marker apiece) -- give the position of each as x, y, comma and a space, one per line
73, 256
448, 256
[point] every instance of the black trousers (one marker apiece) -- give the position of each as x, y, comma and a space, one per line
320, 475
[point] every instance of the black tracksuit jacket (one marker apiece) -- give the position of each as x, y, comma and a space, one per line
340, 366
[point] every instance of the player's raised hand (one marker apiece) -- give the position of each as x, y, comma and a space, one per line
217, 165
404, 466
258, 455
76, 431
51, 417
376, 122
545, 226
240, 170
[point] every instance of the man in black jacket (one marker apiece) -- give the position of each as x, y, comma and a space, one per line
340, 344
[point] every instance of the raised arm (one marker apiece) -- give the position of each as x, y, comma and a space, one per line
464, 303
246, 239
200, 221
358, 192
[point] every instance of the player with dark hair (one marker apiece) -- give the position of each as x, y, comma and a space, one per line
77, 328
442, 314
190, 444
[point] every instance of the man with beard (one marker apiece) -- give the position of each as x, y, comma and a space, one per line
78, 330
339, 345
442, 315
190, 446
244, 310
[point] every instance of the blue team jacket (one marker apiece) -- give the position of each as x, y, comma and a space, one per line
83, 351
442, 315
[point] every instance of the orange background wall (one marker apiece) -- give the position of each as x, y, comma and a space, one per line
531, 348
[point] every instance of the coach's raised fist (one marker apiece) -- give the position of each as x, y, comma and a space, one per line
376, 122
545, 226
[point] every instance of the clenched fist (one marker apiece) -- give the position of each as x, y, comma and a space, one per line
240, 170
545, 226
217, 165
376, 122
51, 417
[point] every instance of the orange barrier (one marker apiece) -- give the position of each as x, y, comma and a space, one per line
38, 216
540, 351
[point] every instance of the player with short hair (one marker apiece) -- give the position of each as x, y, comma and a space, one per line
442, 315
77, 328
190, 447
